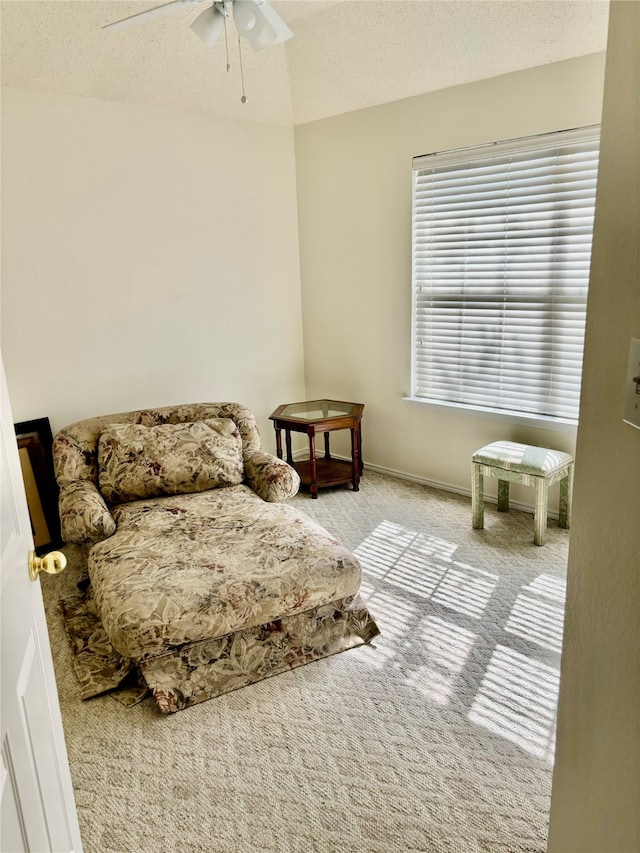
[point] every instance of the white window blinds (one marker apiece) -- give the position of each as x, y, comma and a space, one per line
501, 254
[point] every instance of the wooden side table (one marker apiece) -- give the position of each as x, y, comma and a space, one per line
321, 416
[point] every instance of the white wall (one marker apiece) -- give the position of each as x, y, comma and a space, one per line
595, 804
354, 202
149, 257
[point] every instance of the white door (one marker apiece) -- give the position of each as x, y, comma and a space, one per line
38, 808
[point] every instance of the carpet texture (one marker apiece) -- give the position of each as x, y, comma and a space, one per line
438, 738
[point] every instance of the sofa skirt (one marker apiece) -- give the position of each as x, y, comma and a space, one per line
209, 668
203, 670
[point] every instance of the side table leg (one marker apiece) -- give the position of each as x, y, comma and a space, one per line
279, 442
355, 460
360, 447
313, 472
327, 452
287, 436
477, 496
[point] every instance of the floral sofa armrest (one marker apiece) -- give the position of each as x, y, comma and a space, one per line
84, 516
271, 478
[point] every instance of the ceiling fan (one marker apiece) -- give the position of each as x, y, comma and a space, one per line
255, 20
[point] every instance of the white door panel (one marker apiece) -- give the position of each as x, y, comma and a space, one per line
38, 807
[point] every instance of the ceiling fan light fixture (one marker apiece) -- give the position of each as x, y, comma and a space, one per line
208, 25
253, 25
283, 33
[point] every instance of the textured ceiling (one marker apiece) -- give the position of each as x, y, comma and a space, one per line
345, 54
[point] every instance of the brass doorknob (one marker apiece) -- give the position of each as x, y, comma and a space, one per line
52, 563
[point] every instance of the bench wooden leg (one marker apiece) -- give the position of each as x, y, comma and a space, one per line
477, 497
540, 518
564, 514
503, 496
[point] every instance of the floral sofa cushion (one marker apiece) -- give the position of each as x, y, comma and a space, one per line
85, 517
194, 567
75, 448
137, 461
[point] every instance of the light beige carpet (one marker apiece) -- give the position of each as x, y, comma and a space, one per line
438, 739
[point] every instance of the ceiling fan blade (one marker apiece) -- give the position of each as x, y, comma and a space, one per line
147, 15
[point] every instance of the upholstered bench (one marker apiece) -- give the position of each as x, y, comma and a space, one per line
539, 467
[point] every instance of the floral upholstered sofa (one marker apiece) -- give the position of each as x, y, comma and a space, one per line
201, 576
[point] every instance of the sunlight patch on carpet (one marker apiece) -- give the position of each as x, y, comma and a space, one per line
538, 613
423, 565
517, 700
517, 697
465, 589
537, 621
446, 648
550, 587
397, 616
396, 619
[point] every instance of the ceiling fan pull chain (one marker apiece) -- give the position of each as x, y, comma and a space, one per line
226, 44
243, 99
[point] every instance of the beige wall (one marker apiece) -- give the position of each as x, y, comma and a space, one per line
354, 202
595, 806
149, 257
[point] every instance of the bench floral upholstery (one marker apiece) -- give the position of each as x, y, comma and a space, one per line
211, 588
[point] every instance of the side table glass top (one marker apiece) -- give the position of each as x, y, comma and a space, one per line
317, 410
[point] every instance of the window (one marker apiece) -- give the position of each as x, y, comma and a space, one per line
501, 254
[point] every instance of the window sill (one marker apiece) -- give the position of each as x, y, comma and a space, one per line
538, 421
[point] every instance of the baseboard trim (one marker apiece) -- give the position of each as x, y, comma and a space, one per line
433, 484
